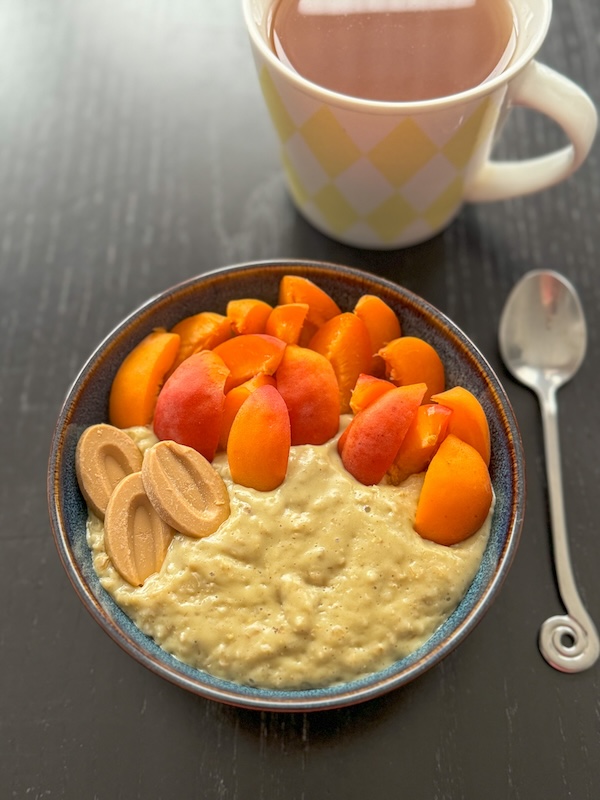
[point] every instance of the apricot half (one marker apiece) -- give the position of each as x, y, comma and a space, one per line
423, 437
286, 321
468, 420
413, 360
308, 385
249, 355
201, 331
248, 315
259, 441
234, 400
370, 443
345, 343
456, 496
382, 324
296, 289
189, 409
366, 390
136, 385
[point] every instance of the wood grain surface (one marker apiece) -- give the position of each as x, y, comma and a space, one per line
135, 151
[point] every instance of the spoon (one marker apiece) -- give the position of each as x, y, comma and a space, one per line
543, 342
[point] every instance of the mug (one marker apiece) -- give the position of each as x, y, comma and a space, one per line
385, 175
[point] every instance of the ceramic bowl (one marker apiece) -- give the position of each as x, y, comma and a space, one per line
87, 402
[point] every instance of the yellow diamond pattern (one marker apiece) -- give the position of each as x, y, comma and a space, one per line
406, 137
335, 208
460, 147
442, 208
299, 193
392, 217
335, 151
282, 121
329, 142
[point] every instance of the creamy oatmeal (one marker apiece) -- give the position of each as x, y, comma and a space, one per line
319, 581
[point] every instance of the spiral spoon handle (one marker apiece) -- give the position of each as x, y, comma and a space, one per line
569, 642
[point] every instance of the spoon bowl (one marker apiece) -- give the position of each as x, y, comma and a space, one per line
543, 341
543, 335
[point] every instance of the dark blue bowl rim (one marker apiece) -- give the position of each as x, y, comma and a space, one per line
110, 617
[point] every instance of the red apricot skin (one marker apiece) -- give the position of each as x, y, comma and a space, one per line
308, 385
371, 441
189, 409
259, 442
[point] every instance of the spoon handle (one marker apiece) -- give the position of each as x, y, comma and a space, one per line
568, 642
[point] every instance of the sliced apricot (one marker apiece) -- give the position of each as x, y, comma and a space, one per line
201, 331
259, 441
410, 359
456, 496
136, 385
423, 437
308, 385
468, 420
382, 324
286, 321
371, 441
249, 355
366, 390
233, 402
344, 341
189, 409
321, 306
248, 315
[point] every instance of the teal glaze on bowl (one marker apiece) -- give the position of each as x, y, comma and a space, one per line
87, 404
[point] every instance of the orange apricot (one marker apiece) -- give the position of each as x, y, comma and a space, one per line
259, 441
189, 409
286, 321
138, 380
308, 385
423, 437
233, 402
248, 315
201, 331
456, 496
366, 390
468, 420
409, 359
296, 289
345, 343
248, 355
382, 324
371, 441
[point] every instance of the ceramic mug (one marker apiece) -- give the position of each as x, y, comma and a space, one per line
385, 175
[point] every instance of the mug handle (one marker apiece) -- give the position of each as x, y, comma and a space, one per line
550, 93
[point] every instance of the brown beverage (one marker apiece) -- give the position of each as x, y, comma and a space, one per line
394, 50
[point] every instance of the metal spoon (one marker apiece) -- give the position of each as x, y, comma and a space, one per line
543, 342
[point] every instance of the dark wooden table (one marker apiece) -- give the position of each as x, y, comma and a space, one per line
135, 152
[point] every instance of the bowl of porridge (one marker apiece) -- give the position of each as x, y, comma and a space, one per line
287, 485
